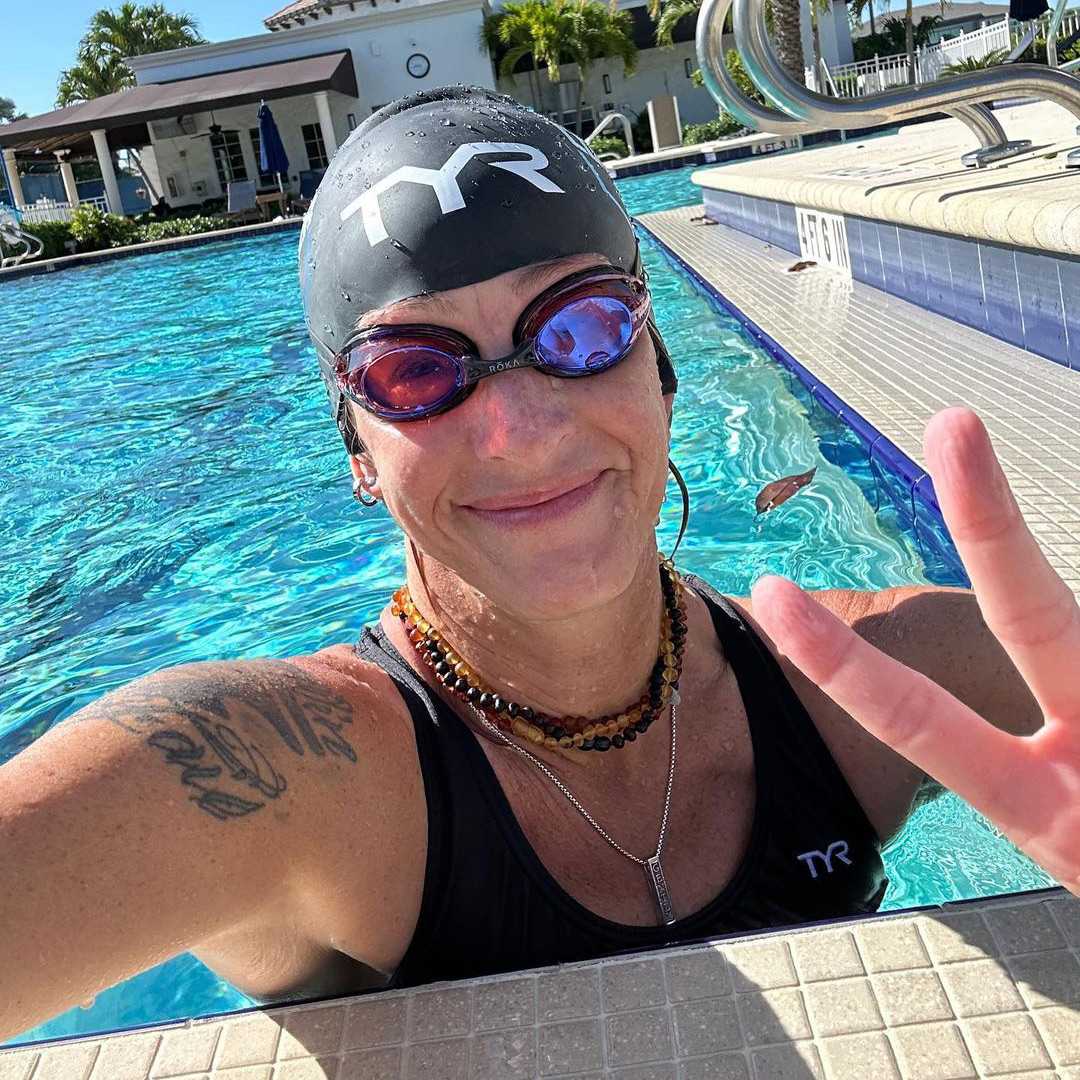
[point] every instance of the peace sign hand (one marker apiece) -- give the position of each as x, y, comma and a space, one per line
1029, 786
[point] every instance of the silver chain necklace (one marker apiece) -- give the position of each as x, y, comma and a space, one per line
654, 872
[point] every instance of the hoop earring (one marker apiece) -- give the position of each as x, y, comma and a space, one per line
673, 468
361, 493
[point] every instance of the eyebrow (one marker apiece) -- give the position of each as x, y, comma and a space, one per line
528, 278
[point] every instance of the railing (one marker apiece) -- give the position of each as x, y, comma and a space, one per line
961, 96
46, 210
872, 76
23, 245
609, 120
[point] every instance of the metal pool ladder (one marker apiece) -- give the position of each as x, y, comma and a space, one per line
11, 234
797, 110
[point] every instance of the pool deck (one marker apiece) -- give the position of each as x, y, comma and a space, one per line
896, 364
915, 178
988, 988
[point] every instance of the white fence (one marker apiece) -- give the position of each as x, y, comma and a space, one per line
45, 210
871, 76
51, 210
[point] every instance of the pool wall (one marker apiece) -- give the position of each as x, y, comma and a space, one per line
907, 484
1027, 297
975, 989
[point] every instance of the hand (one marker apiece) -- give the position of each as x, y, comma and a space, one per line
1028, 786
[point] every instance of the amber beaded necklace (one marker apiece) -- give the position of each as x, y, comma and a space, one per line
567, 732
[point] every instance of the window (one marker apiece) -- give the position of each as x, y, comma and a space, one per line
688, 66
229, 158
313, 144
265, 179
607, 84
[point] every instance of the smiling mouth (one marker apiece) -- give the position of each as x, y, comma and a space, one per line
538, 506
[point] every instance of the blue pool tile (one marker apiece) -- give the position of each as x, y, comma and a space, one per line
788, 233
942, 562
939, 288
871, 248
911, 264
854, 244
965, 270
896, 475
891, 266
1001, 293
1069, 275
1040, 304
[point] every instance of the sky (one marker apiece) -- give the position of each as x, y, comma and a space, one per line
42, 36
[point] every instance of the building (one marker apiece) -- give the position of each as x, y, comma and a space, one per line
953, 19
322, 66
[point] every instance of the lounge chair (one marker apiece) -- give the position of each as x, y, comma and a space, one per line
241, 205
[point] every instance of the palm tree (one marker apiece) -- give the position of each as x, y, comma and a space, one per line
597, 31
668, 13
857, 7
525, 28
130, 30
552, 32
782, 18
8, 115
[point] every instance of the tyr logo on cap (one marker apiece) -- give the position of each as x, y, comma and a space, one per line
444, 182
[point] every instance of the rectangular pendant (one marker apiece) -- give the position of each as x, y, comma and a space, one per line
655, 873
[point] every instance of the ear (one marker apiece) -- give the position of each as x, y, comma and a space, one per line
363, 469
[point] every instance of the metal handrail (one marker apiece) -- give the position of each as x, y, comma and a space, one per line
764, 67
608, 119
12, 234
1052, 32
725, 91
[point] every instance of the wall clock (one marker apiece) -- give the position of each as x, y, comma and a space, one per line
418, 65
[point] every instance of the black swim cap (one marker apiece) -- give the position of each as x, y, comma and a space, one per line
445, 188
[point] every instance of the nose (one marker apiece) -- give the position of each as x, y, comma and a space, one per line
519, 415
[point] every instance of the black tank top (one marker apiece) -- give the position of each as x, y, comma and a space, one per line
489, 904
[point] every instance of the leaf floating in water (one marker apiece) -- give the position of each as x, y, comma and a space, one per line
803, 264
779, 491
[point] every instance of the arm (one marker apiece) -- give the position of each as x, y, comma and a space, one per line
168, 814
1028, 784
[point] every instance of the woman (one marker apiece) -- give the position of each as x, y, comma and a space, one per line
552, 746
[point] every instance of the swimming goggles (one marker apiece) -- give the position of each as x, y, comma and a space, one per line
582, 325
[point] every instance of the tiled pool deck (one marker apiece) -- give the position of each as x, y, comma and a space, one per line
983, 989
916, 178
897, 364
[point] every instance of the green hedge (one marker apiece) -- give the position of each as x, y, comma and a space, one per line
92, 230
609, 144
711, 130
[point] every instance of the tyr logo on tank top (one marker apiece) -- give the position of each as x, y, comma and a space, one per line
838, 849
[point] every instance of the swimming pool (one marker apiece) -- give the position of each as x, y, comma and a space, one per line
173, 490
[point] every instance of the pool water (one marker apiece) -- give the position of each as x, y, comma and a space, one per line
172, 489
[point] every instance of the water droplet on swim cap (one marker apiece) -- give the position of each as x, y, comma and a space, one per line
504, 198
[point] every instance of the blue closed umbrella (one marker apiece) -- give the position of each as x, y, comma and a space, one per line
272, 156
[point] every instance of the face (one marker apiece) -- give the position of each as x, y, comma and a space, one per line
541, 492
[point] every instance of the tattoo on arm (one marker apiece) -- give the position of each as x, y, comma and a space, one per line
225, 774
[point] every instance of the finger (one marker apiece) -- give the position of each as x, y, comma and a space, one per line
899, 706
1027, 607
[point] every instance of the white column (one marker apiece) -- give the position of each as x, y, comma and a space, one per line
13, 179
67, 174
326, 122
108, 173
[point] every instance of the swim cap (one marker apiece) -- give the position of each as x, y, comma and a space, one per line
445, 188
